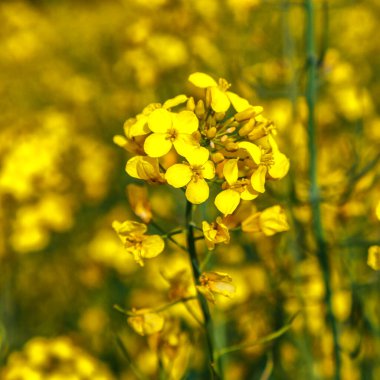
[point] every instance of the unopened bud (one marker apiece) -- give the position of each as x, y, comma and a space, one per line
200, 109
217, 157
197, 135
219, 116
211, 133
257, 133
208, 97
245, 115
232, 147
247, 127
190, 105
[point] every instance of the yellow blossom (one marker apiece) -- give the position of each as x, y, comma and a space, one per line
215, 233
221, 99
193, 175
145, 321
228, 200
215, 283
374, 257
170, 129
141, 246
138, 199
270, 221
146, 168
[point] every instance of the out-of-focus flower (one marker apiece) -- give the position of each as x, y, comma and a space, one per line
170, 129
138, 199
141, 246
374, 257
212, 283
193, 176
146, 322
215, 233
181, 284
270, 221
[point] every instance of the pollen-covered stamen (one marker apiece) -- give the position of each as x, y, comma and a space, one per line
172, 134
267, 160
224, 85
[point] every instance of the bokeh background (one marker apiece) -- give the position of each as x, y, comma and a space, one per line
71, 73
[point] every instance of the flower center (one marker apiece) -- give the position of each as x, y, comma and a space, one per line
172, 134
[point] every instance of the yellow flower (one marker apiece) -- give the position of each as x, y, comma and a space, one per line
215, 283
193, 175
170, 129
141, 246
146, 322
181, 284
228, 200
270, 221
215, 233
146, 168
138, 199
221, 99
374, 257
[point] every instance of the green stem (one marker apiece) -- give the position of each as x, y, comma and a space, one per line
322, 248
201, 299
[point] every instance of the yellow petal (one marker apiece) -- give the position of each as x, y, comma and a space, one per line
160, 120
185, 122
239, 103
219, 100
129, 227
131, 165
178, 175
231, 171
258, 179
227, 201
145, 322
198, 156
157, 145
139, 128
208, 170
280, 167
184, 144
152, 246
202, 80
248, 194
148, 169
170, 103
273, 220
197, 191
253, 150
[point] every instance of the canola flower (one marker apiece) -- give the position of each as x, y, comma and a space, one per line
220, 150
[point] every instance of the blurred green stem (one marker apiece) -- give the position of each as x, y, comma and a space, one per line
208, 324
322, 252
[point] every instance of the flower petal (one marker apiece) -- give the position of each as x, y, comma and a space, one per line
280, 167
227, 201
198, 156
239, 103
157, 145
231, 171
185, 122
219, 100
178, 175
208, 170
179, 99
197, 191
160, 120
253, 150
184, 144
258, 179
202, 80
152, 246
248, 194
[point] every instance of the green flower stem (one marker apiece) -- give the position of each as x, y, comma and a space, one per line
201, 299
167, 235
322, 247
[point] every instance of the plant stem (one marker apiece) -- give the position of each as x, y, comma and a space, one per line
322, 247
201, 299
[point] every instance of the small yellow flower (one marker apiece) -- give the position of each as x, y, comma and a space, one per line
193, 175
228, 200
216, 283
270, 221
221, 99
138, 199
170, 129
146, 322
215, 233
146, 168
141, 246
181, 284
374, 257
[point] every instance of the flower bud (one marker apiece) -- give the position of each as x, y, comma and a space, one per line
190, 105
200, 109
247, 127
211, 133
